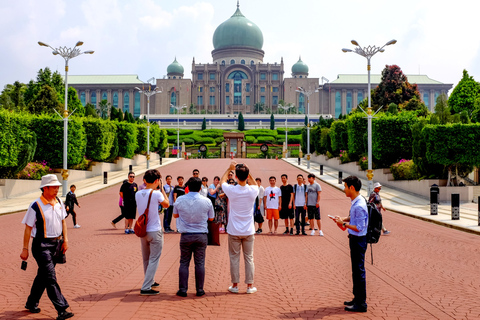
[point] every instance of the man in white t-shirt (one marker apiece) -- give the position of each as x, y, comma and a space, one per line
241, 227
152, 243
273, 203
299, 204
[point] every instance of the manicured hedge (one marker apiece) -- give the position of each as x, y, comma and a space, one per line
250, 139
49, 131
266, 139
339, 136
141, 138
100, 138
261, 132
127, 139
357, 134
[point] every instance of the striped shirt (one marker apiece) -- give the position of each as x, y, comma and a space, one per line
45, 219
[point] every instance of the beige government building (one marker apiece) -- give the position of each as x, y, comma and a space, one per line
238, 80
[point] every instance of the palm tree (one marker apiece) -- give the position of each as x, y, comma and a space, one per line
258, 107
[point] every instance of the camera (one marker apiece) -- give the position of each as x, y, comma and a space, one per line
24, 265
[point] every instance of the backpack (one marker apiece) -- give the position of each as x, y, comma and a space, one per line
374, 227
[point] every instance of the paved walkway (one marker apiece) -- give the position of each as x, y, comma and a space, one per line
420, 271
403, 202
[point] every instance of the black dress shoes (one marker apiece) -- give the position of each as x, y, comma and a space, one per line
181, 294
349, 303
356, 308
64, 315
33, 309
200, 293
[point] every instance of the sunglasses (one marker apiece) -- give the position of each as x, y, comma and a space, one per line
131, 176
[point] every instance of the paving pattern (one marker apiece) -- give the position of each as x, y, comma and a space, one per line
420, 271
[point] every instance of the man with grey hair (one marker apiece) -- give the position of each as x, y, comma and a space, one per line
45, 223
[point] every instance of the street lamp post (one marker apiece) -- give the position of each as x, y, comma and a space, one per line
308, 93
148, 93
67, 54
285, 108
178, 108
369, 52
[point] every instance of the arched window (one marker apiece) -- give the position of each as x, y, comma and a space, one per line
93, 98
237, 77
173, 98
104, 95
136, 108
82, 97
301, 103
223, 62
115, 99
232, 61
252, 63
242, 62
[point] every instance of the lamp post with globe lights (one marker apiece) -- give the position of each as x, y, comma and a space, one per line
67, 54
368, 53
285, 108
178, 108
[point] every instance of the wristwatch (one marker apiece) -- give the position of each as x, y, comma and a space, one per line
344, 224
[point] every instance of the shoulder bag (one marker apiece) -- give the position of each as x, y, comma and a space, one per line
141, 223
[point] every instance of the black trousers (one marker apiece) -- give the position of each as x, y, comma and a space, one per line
167, 218
300, 216
46, 277
358, 246
74, 216
192, 244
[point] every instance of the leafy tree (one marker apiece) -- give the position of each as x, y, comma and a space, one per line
12, 97
258, 107
392, 108
192, 109
241, 122
393, 88
442, 113
272, 122
90, 111
45, 101
464, 95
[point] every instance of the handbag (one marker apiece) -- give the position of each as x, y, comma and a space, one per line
140, 227
213, 233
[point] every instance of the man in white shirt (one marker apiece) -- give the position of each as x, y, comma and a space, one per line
299, 204
241, 228
273, 203
152, 242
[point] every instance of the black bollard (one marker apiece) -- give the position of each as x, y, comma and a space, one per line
130, 168
105, 180
321, 169
455, 206
340, 177
160, 160
434, 193
298, 160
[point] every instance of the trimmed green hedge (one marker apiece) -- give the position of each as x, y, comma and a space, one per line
261, 132
49, 131
250, 139
100, 138
357, 134
127, 139
141, 138
266, 139
338, 136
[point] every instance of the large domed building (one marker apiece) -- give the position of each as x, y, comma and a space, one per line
238, 80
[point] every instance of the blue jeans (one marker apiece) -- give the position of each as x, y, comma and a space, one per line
358, 246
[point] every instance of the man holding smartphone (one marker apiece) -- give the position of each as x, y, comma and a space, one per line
45, 223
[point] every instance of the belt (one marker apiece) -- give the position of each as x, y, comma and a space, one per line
188, 233
49, 239
354, 236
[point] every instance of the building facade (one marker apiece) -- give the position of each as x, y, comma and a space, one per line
238, 80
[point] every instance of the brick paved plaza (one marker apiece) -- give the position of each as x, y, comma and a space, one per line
420, 271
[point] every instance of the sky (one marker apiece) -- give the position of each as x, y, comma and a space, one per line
142, 37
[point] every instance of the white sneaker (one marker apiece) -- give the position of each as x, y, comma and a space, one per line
320, 233
312, 233
233, 289
251, 290
76, 226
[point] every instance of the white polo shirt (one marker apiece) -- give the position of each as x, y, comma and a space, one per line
41, 214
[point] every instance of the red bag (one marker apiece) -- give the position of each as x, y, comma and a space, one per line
141, 223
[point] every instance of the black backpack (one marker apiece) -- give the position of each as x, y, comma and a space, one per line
374, 228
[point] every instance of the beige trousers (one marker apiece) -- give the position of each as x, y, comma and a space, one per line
235, 244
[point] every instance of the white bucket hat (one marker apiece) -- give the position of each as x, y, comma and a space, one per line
377, 185
50, 180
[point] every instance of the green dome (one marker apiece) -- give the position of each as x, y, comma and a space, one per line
238, 31
175, 67
300, 67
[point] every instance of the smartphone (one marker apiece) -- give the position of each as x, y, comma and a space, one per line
331, 217
24, 265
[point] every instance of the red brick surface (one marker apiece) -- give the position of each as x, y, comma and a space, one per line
421, 270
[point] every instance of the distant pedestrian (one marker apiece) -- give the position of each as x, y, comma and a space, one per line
377, 201
241, 228
273, 204
299, 204
192, 212
356, 223
152, 242
204, 189
195, 174
287, 212
259, 203
313, 204
167, 217
213, 190
129, 208
70, 202
45, 223
179, 189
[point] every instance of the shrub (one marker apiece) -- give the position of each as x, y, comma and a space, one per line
250, 139
34, 171
100, 138
405, 170
357, 135
141, 139
363, 162
261, 132
339, 137
344, 158
127, 139
50, 131
266, 139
